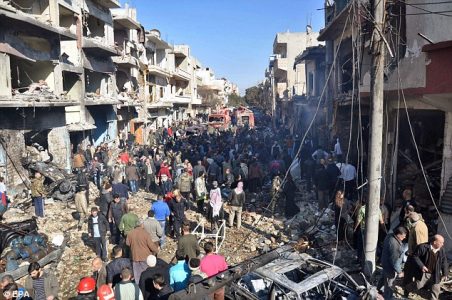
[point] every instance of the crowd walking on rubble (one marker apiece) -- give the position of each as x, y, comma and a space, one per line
213, 173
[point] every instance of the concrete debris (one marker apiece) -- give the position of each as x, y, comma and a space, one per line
37, 91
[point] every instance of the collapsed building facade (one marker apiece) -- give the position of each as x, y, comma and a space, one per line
83, 72
417, 92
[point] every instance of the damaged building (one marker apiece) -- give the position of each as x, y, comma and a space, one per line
79, 72
417, 94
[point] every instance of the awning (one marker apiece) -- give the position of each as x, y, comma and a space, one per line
7, 48
80, 127
98, 65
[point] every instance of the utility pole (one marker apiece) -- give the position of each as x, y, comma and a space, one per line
376, 137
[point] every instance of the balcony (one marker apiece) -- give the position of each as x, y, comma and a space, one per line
181, 51
336, 17
126, 22
281, 64
184, 99
108, 3
158, 70
181, 74
126, 60
97, 46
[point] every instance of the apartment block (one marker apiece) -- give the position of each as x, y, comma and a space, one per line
79, 72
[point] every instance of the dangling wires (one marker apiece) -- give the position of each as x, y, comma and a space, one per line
274, 198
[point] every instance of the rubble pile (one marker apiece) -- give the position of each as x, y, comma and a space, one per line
37, 91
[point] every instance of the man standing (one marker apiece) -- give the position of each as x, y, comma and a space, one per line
179, 273
81, 207
149, 171
188, 244
418, 234
152, 226
128, 221
116, 211
391, 259
212, 264
185, 184
41, 284
155, 266
97, 229
162, 213
432, 266
127, 289
37, 194
141, 246
120, 189
200, 191
132, 177
198, 169
177, 206
115, 267
237, 200
99, 272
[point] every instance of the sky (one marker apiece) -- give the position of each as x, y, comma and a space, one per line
232, 37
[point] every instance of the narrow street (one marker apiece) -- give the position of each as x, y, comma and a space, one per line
237, 150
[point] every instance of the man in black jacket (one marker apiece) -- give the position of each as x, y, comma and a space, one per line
155, 266
432, 266
178, 205
97, 229
115, 267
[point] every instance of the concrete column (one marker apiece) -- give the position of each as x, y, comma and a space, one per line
5, 75
14, 146
60, 147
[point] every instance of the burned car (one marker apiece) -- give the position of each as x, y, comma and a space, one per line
59, 184
295, 276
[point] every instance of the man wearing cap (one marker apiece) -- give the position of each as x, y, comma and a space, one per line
155, 266
196, 274
141, 246
418, 234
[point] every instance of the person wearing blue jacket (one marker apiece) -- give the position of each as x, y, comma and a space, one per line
161, 213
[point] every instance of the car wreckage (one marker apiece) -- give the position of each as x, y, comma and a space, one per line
281, 274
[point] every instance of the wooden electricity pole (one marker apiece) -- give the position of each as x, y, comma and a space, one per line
376, 137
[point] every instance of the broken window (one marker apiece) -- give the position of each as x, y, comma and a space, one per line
97, 83
24, 73
39, 8
37, 137
67, 19
72, 86
94, 28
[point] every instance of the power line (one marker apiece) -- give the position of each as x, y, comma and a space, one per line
304, 136
425, 11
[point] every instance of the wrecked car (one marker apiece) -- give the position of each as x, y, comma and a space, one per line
295, 276
59, 184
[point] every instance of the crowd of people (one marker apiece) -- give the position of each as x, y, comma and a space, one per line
202, 171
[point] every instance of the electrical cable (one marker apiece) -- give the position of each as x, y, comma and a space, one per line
274, 198
420, 160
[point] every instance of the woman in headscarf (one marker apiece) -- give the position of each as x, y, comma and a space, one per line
215, 205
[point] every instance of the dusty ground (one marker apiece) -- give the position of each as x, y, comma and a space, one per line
239, 245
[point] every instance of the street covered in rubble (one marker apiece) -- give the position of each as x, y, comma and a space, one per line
129, 169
